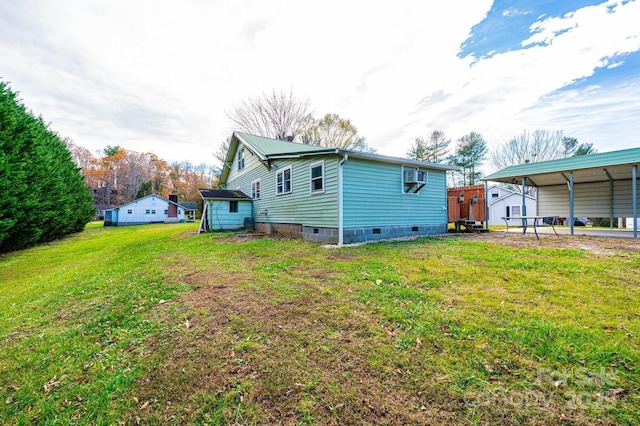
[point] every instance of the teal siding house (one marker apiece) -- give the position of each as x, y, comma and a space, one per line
333, 195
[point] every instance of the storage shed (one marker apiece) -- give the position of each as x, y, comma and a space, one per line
598, 185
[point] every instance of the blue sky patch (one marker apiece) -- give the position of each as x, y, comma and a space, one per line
508, 24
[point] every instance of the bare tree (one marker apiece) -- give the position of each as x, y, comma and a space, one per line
532, 147
276, 115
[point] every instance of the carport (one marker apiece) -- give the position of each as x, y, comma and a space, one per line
598, 185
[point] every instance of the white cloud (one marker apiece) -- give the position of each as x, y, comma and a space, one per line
159, 75
496, 92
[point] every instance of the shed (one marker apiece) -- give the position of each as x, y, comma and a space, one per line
597, 185
224, 209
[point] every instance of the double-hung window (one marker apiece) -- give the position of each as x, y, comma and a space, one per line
317, 177
283, 181
514, 211
241, 159
255, 189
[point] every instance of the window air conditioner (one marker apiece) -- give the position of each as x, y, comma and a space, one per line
415, 176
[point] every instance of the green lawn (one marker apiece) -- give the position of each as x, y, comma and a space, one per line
156, 324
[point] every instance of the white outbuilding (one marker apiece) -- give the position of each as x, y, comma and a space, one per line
149, 209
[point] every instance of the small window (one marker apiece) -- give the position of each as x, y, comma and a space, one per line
415, 229
513, 211
283, 181
147, 211
130, 211
166, 212
377, 231
241, 159
153, 212
317, 177
495, 193
233, 207
255, 189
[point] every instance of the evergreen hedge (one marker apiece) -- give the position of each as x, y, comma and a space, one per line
42, 193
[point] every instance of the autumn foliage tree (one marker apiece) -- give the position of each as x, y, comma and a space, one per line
42, 193
120, 176
335, 132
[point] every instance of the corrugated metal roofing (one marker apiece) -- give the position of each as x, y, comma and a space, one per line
606, 159
266, 147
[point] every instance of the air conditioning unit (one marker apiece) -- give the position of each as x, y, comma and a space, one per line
415, 176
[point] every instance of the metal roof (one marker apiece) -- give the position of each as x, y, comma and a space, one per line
265, 147
586, 168
268, 149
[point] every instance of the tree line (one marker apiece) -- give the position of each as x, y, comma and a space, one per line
470, 151
42, 193
117, 176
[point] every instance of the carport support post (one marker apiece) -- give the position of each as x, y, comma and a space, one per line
571, 219
634, 173
524, 205
486, 205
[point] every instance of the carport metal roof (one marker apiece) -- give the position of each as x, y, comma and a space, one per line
585, 168
608, 166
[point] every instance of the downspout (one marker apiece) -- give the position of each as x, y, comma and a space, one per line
341, 200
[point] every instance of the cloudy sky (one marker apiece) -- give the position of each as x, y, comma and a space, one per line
159, 75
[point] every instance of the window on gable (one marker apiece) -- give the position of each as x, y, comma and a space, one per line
233, 207
255, 189
241, 159
283, 181
317, 177
130, 211
495, 193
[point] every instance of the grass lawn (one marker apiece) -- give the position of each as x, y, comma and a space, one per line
156, 324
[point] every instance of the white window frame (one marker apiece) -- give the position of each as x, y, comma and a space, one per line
130, 211
511, 214
281, 172
256, 195
147, 211
241, 159
311, 178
